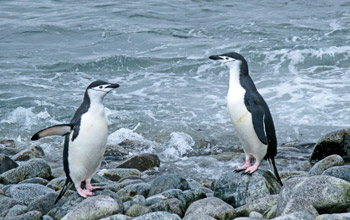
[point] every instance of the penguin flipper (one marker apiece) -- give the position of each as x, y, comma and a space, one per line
61, 130
66, 186
273, 167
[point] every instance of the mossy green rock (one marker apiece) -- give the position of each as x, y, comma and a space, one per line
327, 194
337, 142
30, 169
137, 210
95, 207
238, 189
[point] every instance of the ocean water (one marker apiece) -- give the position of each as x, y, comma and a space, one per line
171, 97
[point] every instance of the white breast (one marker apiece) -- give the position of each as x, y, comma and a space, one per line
86, 151
242, 119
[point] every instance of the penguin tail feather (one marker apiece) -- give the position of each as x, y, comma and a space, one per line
66, 186
273, 167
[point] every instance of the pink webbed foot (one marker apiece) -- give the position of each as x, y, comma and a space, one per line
90, 187
84, 192
253, 168
245, 166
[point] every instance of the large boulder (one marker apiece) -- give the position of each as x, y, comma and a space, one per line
341, 172
325, 163
158, 216
6, 163
325, 193
141, 162
299, 205
28, 192
117, 174
30, 169
166, 182
213, 207
238, 189
95, 207
337, 142
260, 205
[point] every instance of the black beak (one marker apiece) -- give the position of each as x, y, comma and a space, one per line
113, 86
215, 57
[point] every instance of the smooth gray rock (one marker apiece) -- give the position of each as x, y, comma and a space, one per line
36, 180
95, 207
158, 216
30, 169
260, 205
238, 189
198, 217
117, 217
213, 207
119, 173
6, 203
255, 214
299, 205
33, 215
45, 203
166, 182
28, 192
137, 210
339, 216
47, 217
17, 210
336, 142
325, 163
141, 162
327, 194
134, 189
27, 154
138, 199
192, 195
6, 163
296, 216
341, 172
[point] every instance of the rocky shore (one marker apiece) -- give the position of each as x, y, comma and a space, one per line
319, 190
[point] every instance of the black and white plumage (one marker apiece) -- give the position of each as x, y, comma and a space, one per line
250, 115
85, 139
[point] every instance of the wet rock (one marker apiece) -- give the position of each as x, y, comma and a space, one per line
28, 192
158, 216
30, 169
36, 180
33, 215
6, 203
213, 207
192, 195
45, 203
341, 216
137, 210
117, 174
8, 147
296, 216
117, 217
300, 205
166, 182
341, 172
171, 205
327, 194
141, 162
198, 217
337, 142
259, 205
17, 210
94, 207
238, 189
6, 163
325, 163
132, 190
27, 154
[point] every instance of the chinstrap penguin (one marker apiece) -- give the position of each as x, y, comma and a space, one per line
85, 139
250, 115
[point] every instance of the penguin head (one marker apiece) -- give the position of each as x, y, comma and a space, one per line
232, 60
98, 90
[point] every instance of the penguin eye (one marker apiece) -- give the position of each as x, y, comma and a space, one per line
100, 87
